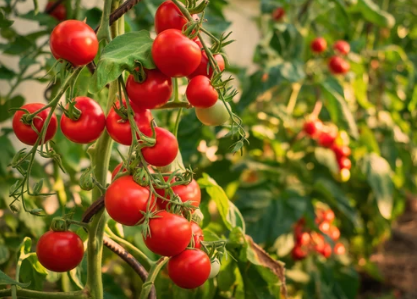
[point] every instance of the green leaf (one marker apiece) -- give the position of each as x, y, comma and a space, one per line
379, 176
291, 71
4, 23
7, 152
360, 88
42, 18
4, 254
6, 74
6, 280
122, 53
374, 14
19, 46
14, 102
368, 138
326, 157
33, 271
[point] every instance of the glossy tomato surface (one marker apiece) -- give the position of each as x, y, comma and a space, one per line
190, 192
313, 127
327, 139
59, 13
75, 42
342, 47
338, 65
169, 16
318, 45
60, 251
25, 133
165, 149
200, 93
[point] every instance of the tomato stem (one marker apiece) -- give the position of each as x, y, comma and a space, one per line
25, 293
153, 273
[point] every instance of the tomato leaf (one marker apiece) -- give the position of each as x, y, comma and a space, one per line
121, 54
14, 102
33, 271
374, 14
6, 280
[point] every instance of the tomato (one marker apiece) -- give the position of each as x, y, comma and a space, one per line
342, 47
59, 13
190, 192
278, 14
326, 251
169, 235
313, 127
339, 248
204, 64
216, 115
174, 54
90, 124
343, 175
318, 241
125, 200
341, 151
303, 239
116, 170
327, 139
60, 251
214, 268
198, 235
120, 130
324, 227
338, 65
200, 93
165, 149
75, 42
334, 233
299, 253
169, 16
189, 269
328, 215
318, 45
344, 163
25, 133
152, 93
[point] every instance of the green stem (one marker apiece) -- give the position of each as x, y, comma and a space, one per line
293, 98
173, 105
23, 293
177, 122
104, 30
176, 93
153, 273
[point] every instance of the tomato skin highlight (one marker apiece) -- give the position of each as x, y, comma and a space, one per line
344, 163
174, 54
215, 115
338, 65
327, 139
75, 42
189, 269
154, 92
200, 93
318, 45
59, 13
125, 200
190, 192
204, 63
169, 235
198, 235
89, 126
25, 133
313, 127
342, 47
60, 251
165, 149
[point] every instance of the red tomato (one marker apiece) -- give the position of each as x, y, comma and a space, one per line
25, 133
326, 251
190, 192
303, 239
341, 151
189, 269
165, 149
116, 170
120, 130
299, 253
204, 63
342, 47
169, 16
125, 200
318, 241
200, 93
328, 215
338, 65
344, 163
198, 235
278, 14
325, 227
74, 41
89, 126
60, 251
313, 127
339, 248
175, 54
152, 93
334, 233
169, 235
318, 45
327, 139
59, 13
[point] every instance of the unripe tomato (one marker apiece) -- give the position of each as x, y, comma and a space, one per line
189, 269
318, 45
204, 68
326, 139
344, 175
89, 126
339, 248
341, 151
169, 16
200, 93
198, 235
75, 42
216, 115
190, 192
174, 54
338, 65
152, 93
59, 13
342, 47
278, 14
25, 133
344, 163
169, 235
60, 251
125, 200
299, 253
215, 268
313, 127
165, 149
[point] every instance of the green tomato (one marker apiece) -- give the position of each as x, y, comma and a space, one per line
216, 115
215, 268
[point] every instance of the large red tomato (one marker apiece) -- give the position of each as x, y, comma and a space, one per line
25, 133
120, 130
169, 16
342, 47
189, 269
204, 63
200, 93
152, 93
60, 251
190, 192
338, 65
169, 235
198, 235
74, 41
318, 45
59, 13
165, 149
125, 200
175, 54
90, 124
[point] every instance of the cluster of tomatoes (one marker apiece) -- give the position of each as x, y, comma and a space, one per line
327, 136
307, 241
337, 64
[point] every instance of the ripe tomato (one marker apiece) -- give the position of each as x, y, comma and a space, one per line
318, 45
169, 16
89, 126
326, 250
60, 251
341, 151
204, 63
190, 192
344, 163
328, 215
326, 139
165, 149
175, 54
342, 47
189, 269
169, 235
334, 233
324, 227
318, 241
74, 41
59, 13
313, 127
339, 248
198, 235
116, 170
299, 253
303, 239
25, 133
200, 93
152, 93
338, 65
216, 115
125, 200
278, 14
120, 130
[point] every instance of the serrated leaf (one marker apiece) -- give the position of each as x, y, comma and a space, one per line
6, 280
121, 54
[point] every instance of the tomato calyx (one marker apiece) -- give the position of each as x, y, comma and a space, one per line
196, 9
71, 112
59, 225
139, 73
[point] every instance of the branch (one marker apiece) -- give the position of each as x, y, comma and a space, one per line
23, 293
